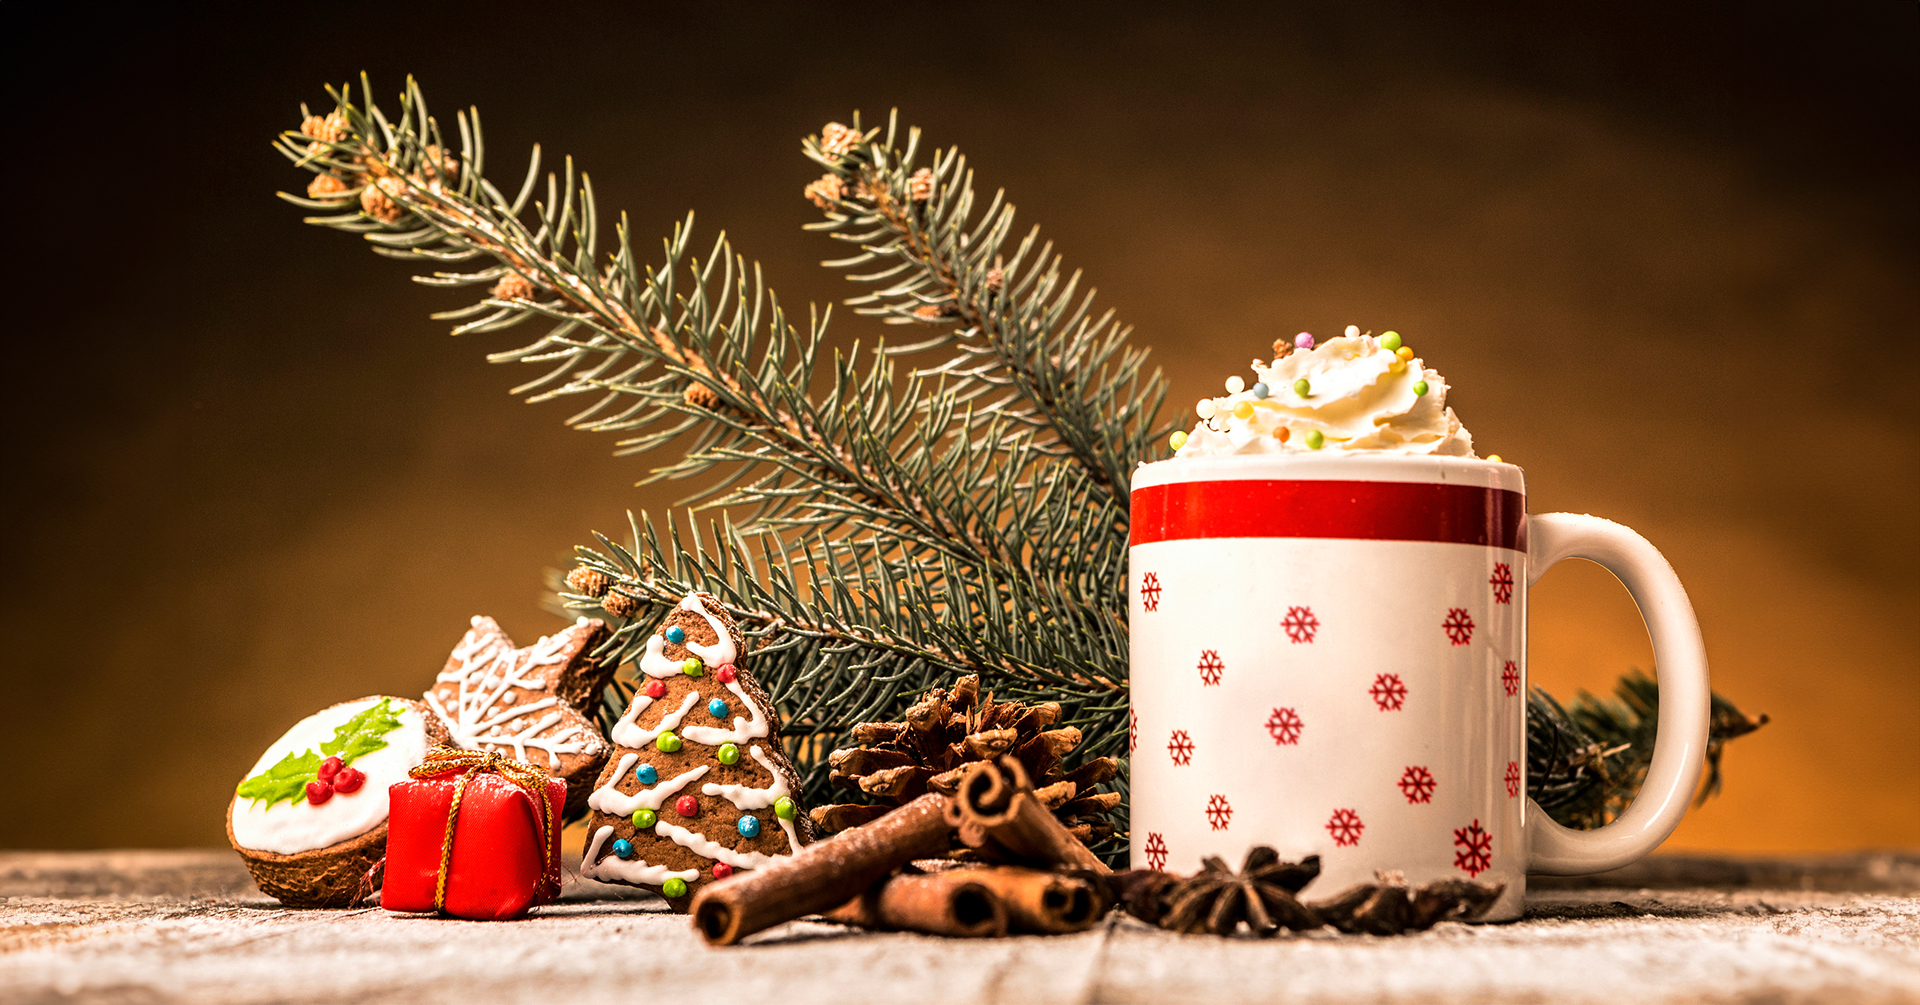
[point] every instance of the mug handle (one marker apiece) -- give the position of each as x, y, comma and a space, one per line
1680, 661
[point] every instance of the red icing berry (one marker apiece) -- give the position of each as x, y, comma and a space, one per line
721, 870
349, 780
656, 690
726, 673
329, 768
686, 806
318, 792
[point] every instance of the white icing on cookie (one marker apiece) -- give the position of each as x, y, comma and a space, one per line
627, 732
742, 730
607, 799
287, 828
700, 845
613, 868
747, 798
486, 713
654, 662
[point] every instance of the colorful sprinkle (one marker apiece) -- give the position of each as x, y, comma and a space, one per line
1302, 388
1178, 439
1316, 439
676, 634
783, 808
721, 870
1495, 458
1261, 390
692, 667
656, 690
668, 743
729, 754
673, 887
646, 774
1203, 408
1390, 341
1243, 410
1353, 331
1420, 388
644, 818
1304, 340
1404, 352
687, 806
717, 708
726, 673
1235, 384
749, 826
623, 848
1281, 433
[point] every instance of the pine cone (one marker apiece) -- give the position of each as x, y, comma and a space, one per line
897, 762
331, 129
325, 186
513, 286
920, 185
589, 582
826, 191
619, 605
375, 202
836, 140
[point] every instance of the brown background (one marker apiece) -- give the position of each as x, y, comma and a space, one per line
1668, 260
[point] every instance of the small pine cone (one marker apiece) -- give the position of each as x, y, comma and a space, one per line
996, 280
437, 165
702, 396
619, 605
513, 286
837, 140
920, 185
933, 312
331, 129
825, 192
325, 186
375, 202
589, 582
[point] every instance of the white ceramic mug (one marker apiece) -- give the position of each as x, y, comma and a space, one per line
1329, 657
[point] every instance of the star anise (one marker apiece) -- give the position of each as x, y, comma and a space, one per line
1390, 907
1217, 899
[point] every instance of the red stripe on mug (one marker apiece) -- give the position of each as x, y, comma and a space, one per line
1373, 511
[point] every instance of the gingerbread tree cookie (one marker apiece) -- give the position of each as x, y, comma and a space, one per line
699, 786
531, 704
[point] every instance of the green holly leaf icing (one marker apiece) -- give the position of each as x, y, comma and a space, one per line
287, 780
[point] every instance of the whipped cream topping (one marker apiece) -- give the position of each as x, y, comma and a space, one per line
1356, 393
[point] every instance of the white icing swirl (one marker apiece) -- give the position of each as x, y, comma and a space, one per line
701, 845
1361, 398
627, 732
613, 868
654, 662
610, 800
742, 731
748, 798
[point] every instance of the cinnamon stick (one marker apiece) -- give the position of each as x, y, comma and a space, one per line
996, 803
823, 875
1047, 903
953, 903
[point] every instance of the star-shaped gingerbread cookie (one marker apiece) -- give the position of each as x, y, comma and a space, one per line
533, 704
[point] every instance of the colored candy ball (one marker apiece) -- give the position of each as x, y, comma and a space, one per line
1281, 433
646, 774
717, 708
1235, 385
1304, 340
1420, 388
318, 792
349, 780
749, 826
1243, 410
729, 754
783, 808
721, 870
692, 667
1316, 439
687, 806
644, 818
1396, 365
329, 768
676, 634
1495, 458
1261, 390
1302, 388
656, 690
623, 847
726, 673
1204, 408
1178, 439
1390, 341
1404, 352
668, 743
1353, 330
674, 887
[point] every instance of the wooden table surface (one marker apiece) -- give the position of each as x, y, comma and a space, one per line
189, 926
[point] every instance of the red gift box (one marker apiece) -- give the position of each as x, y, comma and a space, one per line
497, 867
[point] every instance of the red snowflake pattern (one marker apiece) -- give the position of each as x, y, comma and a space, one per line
1219, 813
1345, 828
1510, 678
1210, 667
1459, 626
1502, 583
1156, 850
1513, 779
1150, 592
1417, 783
1300, 624
1180, 747
1284, 726
1388, 692
1476, 849
1133, 730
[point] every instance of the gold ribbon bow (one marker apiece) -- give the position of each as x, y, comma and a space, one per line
441, 760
